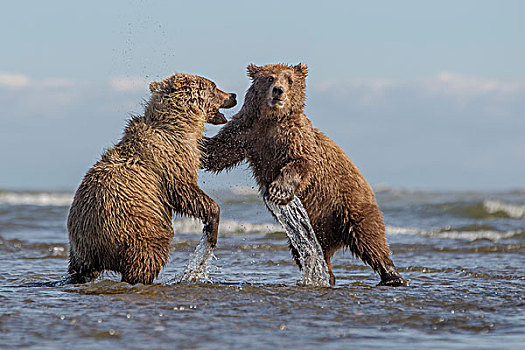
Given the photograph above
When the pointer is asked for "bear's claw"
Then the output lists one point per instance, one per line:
(393, 282)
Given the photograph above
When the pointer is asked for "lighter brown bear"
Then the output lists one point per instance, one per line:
(121, 215)
(290, 157)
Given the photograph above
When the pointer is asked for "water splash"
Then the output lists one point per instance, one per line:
(197, 269)
(294, 219)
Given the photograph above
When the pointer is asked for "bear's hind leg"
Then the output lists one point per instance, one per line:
(329, 265)
(142, 263)
(365, 237)
(80, 272)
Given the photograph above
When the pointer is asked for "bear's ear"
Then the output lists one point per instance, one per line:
(253, 70)
(176, 81)
(154, 86)
(301, 69)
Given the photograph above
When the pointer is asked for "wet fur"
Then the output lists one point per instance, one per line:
(120, 219)
(288, 157)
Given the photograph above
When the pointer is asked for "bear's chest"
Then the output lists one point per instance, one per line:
(269, 154)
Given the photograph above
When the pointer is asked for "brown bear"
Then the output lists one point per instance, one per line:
(120, 219)
(288, 157)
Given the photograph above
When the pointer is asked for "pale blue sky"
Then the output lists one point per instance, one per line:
(419, 94)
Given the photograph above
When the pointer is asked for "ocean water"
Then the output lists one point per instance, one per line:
(463, 254)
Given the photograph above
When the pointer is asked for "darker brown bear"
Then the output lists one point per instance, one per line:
(290, 157)
(120, 219)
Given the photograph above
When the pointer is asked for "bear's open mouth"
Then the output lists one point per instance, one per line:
(217, 119)
(277, 102)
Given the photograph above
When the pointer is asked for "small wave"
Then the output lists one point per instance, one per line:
(479, 209)
(392, 230)
(469, 235)
(512, 210)
(245, 190)
(194, 226)
(36, 198)
(385, 189)
(476, 235)
(50, 250)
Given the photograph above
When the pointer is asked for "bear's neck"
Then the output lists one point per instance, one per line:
(171, 118)
(269, 119)
(162, 146)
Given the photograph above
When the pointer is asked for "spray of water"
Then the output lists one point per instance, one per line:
(197, 269)
(294, 219)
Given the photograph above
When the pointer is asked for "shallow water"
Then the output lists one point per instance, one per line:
(463, 254)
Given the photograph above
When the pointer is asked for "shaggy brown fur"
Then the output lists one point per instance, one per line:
(120, 219)
(290, 157)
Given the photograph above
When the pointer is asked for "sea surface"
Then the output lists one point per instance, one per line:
(463, 254)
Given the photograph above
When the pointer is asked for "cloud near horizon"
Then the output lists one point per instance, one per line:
(123, 84)
(13, 80)
(401, 133)
(24, 96)
(21, 81)
(428, 132)
(443, 83)
(55, 94)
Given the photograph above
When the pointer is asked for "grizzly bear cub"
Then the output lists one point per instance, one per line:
(120, 219)
(290, 157)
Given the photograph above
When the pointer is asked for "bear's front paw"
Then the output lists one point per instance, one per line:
(280, 194)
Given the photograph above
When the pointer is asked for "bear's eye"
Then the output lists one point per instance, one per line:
(290, 81)
(270, 79)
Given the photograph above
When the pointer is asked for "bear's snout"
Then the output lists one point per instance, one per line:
(230, 102)
(277, 91)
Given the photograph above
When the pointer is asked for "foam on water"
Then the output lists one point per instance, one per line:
(294, 219)
(191, 225)
(490, 235)
(512, 210)
(36, 198)
(244, 190)
(197, 268)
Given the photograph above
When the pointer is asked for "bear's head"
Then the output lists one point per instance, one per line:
(191, 94)
(279, 88)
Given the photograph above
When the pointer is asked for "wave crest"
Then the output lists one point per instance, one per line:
(36, 198)
(194, 226)
(511, 210)
(465, 234)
